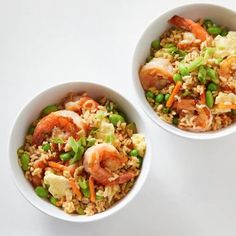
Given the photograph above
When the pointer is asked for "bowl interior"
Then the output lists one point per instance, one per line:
(219, 15)
(31, 111)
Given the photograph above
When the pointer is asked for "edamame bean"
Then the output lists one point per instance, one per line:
(149, 94)
(177, 77)
(134, 152)
(209, 99)
(159, 98)
(115, 118)
(212, 87)
(167, 97)
(65, 156)
(46, 147)
(214, 30)
(41, 192)
(156, 44)
(53, 200)
(25, 159)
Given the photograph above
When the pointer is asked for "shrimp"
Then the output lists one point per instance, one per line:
(81, 102)
(227, 66)
(193, 117)
(101, 160)
(191, 26)
(68, 121)
(156, 73)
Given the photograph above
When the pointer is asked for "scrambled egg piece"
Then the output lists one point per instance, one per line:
(139, 143)
(226, 98)
(57, 184)
(105, 129)
(225, 46)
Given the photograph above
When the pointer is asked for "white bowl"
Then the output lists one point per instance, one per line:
(219, 15)
(31, 111)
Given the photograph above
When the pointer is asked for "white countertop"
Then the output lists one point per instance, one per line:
(191, 188)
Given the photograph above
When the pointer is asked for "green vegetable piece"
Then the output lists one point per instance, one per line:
(210, 51)
(77, 155)
(224, 32)
(109, 138)
(233, 111)
(175, 121)
(166, 110)
(209, 99)
(25, 159)
(195, 64)
(65, 156)
(156, 44)
(169, 45)
(214, 30)
(177, 77)
(50, 108)
(57, 140)
(31, 129)
(46, 147)
(83, 183)
(186, 93)
(202, 75)
(91, 142)
(149, 58)
(183, 69)
(208, 23)
(167, 97)
(149, 94)
(140, 159)
(82, 141)
(98, 197)
(20, 151)
(53, 200)
(213, 75)
(212, 87)
(172, 50)
(115, 118)
(80, 210)
(134, 153)
(86, 192)
(159, 98)
(41, 192)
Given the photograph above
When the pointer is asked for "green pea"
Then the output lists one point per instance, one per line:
(53, 200)
(41, 192)
(214, 30)
(46, 147)
(165, 110)
(91, 142)
(134, 153)
(80, 210)
(65, 156)
(183, 69)
(167, 97)
(177, 77)
(209, 99)
(202, 75)
(25, 159)
(115, 118)
(213, 75)
(149, 58)
(208, 23)
(149, 94)
(175, 120)
(50, 108)
(233, 111)
(156, 44)
(212, 87)
(224, 32)
(31, 129)
(159, 98)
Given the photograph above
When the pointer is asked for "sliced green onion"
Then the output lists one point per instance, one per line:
(213, 75)
(195, 64)
(209, 99)
(25, 159)
(91, 142)
(214, 30)
(183, 69)
(83, 183)
(202, 75)
(50, 108)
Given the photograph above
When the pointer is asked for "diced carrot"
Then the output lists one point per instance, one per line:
(75, 188)
(56, 165)
(226, 106)
(174, 92)
(92, 189)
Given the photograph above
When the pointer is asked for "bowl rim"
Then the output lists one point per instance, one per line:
(154, 117)
(110, 211)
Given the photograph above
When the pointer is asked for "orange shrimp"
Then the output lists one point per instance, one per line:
(193, 117)
(68, 121)
(189, 25)
(101, 160)
(227, 66)
(81, 102)
(157, 73)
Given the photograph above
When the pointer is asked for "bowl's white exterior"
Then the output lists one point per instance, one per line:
(30, 112)
(218, 14)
